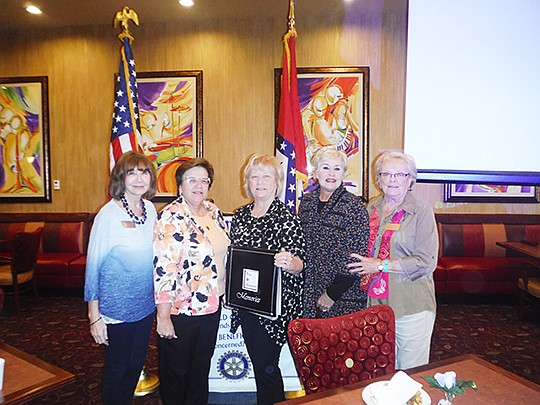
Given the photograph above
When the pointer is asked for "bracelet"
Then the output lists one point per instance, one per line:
(96, 321)
(386, 265)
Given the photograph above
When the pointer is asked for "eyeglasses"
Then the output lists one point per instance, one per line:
(398, 175)
(205, 181)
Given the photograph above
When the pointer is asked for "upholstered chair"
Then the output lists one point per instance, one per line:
(17, 269)
(332, 352)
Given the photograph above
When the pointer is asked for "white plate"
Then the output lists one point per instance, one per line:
(368, 398)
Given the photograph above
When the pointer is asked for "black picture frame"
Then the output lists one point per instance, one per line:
(24, 138)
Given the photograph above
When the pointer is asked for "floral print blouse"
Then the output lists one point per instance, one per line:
(277, 229)
(185, 272)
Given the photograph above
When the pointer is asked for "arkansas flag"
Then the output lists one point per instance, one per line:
(290, 141)
(126, 128)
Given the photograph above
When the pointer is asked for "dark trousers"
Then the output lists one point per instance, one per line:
(124, 359)
(184, 363)
(264, 353)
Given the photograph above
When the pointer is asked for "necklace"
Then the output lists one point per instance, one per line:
(135, 218)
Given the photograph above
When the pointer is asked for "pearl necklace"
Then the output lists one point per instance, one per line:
(135, 218)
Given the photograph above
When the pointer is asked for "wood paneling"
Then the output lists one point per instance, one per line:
(238, 57)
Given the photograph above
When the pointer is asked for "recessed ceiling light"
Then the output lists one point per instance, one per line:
(33, 9)
(186, 3)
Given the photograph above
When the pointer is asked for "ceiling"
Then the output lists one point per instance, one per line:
(60, 13)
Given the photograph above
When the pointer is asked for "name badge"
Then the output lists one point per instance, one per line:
(128, 224)
(392, 227)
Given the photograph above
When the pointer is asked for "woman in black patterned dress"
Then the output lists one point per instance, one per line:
(335, 224)
(267, 223)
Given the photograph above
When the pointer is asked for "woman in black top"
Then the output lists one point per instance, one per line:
(267, 223)
(335, 224)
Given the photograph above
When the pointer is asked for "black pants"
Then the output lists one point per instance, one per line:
(264, 353)
(184, 363)
(124, 359)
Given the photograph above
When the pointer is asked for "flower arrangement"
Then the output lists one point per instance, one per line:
(449, 385)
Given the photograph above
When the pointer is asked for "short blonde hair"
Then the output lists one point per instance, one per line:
(267, 162)
(329, 153)
(407, 159)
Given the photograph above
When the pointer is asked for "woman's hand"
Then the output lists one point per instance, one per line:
(364, 265)
(210, 206)
(288, 262)
(325, 302)
(99, 331)
(165, 327)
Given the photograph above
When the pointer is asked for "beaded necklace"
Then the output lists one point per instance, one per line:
(135, 218)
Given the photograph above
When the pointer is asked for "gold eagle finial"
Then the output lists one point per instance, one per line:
(123, 17)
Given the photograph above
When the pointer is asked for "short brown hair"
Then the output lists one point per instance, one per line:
(190, 164)
(129, 161)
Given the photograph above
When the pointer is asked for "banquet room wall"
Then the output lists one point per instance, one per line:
(237, 57)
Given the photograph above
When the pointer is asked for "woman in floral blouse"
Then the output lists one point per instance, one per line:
(267, 223)
(190, 248)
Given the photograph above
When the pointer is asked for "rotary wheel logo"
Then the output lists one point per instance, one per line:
(233, 365)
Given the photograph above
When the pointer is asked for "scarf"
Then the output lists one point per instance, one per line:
(377, 283)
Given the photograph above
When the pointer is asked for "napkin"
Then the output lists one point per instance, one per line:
(397, 391)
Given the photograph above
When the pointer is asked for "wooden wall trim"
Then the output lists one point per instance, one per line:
(487, 218)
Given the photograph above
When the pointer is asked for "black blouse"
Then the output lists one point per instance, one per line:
(277, 229)
(334, 231)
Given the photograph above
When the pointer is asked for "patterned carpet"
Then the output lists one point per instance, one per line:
(55, 329)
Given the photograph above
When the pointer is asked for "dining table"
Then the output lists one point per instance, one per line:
(494, 385)
(524, 248)
(26, 377)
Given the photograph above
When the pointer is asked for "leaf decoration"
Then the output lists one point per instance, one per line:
(456, 390)
(432, 381)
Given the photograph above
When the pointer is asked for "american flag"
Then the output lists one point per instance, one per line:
(126, 129)
(290, 141)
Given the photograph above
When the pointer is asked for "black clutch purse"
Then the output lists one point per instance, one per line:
(340, 284)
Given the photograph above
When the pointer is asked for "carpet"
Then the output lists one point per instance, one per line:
(55, 329)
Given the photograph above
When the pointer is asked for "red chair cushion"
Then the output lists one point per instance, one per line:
(332, 352)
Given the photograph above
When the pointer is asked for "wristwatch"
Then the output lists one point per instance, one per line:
(380, 267)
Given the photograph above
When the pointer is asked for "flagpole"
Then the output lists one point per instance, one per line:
(123, 17)
(125, 134)
(297, 179)
(291, 32)
(290, 139)
(125, 129)
(292, 20)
